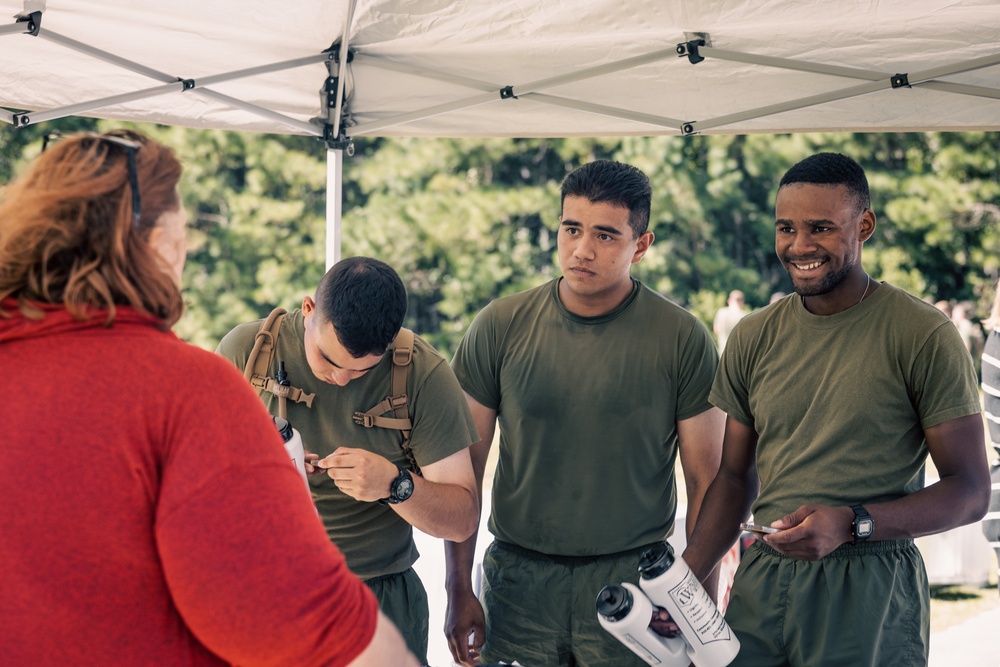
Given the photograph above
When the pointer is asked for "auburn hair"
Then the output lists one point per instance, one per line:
(68, 234)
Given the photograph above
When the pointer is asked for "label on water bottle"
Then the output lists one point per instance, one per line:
(706, 621)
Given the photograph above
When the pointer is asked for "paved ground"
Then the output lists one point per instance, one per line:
(972, 643)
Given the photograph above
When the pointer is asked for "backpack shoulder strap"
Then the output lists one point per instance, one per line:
(259, 363)
(397, 402)
(264, 344)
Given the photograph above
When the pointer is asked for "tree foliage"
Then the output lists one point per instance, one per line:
(465, 221)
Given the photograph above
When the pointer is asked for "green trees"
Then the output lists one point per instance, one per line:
(465, 221)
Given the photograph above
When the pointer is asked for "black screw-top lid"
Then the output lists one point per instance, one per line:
(656, 560)
(614, 602)
(284, 428)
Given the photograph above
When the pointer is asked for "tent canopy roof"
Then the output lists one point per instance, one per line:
(507, 67)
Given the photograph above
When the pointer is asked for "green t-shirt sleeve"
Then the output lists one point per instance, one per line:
(442, 423)
(730, 390)
(475, 362)
(698, 364)
(943, 382)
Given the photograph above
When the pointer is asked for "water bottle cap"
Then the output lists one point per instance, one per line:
(284, 428)
(614, 602)
(656, 560)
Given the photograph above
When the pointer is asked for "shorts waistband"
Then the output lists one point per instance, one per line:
(385, 577)
(847, 550)
(569, 560)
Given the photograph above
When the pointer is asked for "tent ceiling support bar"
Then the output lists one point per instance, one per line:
(600, 70)
(957, 68)
(509, 92)
(107, 57)
(962, 89)
(384, 63)
(602, 110)
(785, 63)
(26, 119)
(343, 60)
(14, 29)
(855, 91)
(262, 69)
(429, 112)
(818, 68)
(307, 128)
(6, 116)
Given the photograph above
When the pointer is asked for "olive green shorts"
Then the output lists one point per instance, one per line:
(541, 610)
(402, 598)
(862, 605)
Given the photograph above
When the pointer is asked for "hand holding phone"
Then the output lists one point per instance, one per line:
(754, 528)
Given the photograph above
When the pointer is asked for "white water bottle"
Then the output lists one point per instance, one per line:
(669, 583)
(293, 446)
(625, 612)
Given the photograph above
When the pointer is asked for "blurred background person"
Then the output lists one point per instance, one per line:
(727, 317)
(991, 411)
(149, 512)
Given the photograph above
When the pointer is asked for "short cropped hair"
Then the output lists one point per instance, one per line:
(831, 169)
(615, 183)
(365, 301)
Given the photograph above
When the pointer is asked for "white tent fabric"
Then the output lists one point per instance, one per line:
(508, 67)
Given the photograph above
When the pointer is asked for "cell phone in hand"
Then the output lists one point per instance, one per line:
(754, 528)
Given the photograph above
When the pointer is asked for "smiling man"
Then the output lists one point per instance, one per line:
(835, 399)
(340, 346)
(598, 384)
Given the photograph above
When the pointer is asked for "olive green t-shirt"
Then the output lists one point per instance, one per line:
(588, 411)
(373, 538)
(840, 403)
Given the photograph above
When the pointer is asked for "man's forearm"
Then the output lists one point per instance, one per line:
(726, 503)
(448, 511)
(459, 559)
(942, 506)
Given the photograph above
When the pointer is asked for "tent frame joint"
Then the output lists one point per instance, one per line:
(901, 81)
(34, 21)
(690, 49)
(340, 143)
(507, 93)
(333, 53)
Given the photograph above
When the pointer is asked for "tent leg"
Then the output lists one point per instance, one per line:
(334, 203)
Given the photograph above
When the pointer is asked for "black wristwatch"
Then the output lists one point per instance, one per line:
(864, 524)
(400, 489)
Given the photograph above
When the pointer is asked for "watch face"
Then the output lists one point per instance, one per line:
(865, 527)
(402, 488)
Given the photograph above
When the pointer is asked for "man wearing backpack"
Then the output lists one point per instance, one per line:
(386, 418)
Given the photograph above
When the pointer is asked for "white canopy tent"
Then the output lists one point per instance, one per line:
(343, 69)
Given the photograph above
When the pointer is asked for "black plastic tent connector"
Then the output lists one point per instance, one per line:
(901, 81)
(342, 142)
(507, 93)
(188, 83)
(690, 49)
(34, 20)
(687, 129)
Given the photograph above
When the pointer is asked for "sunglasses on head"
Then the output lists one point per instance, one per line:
(130, 147)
